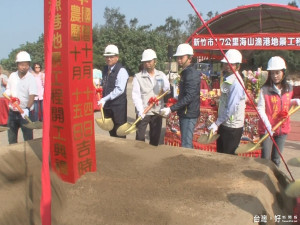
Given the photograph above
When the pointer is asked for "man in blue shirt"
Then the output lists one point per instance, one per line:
(231, 112)
(114, 100)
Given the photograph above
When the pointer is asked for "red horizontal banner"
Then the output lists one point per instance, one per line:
(265, 41)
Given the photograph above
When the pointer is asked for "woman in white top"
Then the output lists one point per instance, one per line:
(38, 100)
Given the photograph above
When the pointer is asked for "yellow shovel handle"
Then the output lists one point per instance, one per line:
(291, 111)
(152, 104)
(162, 95)
(17, 106)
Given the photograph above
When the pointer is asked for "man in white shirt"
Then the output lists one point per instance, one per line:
(21, 88)
(147, 84)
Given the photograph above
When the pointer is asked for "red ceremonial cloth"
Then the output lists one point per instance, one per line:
(3, 111)
(45, 204)
(204, 85)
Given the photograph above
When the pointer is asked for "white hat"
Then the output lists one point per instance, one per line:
(111, 50)
(184, 49)
(23, 57)
(233, 56)
(148, 55)
(276, 63)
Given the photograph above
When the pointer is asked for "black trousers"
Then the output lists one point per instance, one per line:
(15, 121)
(118, 114)
(229, 139)
(155, 123)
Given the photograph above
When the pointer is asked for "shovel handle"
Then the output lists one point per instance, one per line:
(291, 111)
(149, 107)
(101, 108)
(14, 103)
(255, 146)
(163, 94)
(17, 106)
(152, 104)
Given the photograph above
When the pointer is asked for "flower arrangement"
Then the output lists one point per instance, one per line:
(253, 81)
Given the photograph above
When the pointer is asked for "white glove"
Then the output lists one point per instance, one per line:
(101, 102)
(295, 101)
(25, 113)
(142, 115)
(165, 111)
(213, 127)
(269, 128)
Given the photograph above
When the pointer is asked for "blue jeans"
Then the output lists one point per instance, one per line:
(38, 105)
(15, 121)
(187, 126)
(269, 150)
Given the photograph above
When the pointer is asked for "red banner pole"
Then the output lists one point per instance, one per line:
(45, 204)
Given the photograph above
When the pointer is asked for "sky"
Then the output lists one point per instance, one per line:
(22, 21)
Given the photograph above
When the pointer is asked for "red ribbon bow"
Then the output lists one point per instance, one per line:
(153, 100)
(171, 101)
(99, 91)
(282, 115)
(15, 100)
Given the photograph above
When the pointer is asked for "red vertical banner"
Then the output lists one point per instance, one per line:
(45, 204)
(72, 138)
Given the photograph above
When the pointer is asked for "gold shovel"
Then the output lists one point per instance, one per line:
(293, 189)
(128, 128)
(250, 147)
(104, 123)
(31, 125)
(294, 161)
(208, 138)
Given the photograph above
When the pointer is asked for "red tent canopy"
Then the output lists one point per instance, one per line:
(270, 20)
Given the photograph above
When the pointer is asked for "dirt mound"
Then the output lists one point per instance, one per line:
(141, 184)
(20, 186)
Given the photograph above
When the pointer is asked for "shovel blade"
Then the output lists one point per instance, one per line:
(121, 131)
(131, 129)
(246, 148)
(34, 125)
(203, 139)
(293, 189)
(294, 162)
(208, 138)
(213, 138)
(106, 124)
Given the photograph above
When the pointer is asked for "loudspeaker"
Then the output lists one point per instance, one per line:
(170, 51)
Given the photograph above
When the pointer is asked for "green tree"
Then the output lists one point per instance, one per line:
(292, 59)
(293, 3)
(192, 24)
(172, 30)
(114, 19)
(35, 49)
(131, 40)
(209, 15)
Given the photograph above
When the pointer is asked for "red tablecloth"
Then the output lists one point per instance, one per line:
(3, 111)
(207, 114)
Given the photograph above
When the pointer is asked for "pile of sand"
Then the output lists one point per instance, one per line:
(140, 184)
